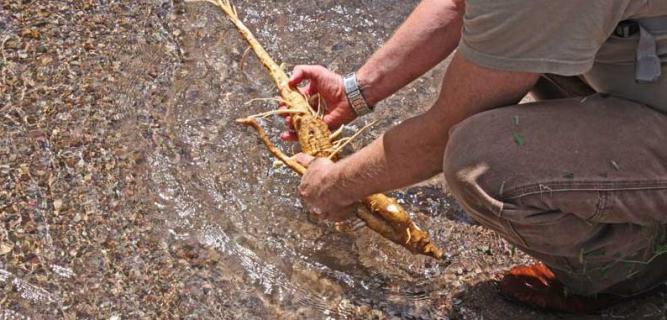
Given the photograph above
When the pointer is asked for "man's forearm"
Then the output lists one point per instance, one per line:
(428, 36)
(406, 154)
(413, 150)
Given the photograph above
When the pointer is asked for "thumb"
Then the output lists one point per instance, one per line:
(298, 75)
(304, 159)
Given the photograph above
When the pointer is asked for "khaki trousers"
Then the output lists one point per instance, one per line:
(579, 184)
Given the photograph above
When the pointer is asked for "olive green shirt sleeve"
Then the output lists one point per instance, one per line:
(541, 36)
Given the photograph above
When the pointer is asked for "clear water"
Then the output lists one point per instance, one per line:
(216, 184)
(128, 192)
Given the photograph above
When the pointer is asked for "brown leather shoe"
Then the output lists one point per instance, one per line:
(535, 285)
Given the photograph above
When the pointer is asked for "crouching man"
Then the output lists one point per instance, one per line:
(577, 180)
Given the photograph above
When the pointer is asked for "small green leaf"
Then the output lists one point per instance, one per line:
(518, 139)
(568, 175)
(661, 249)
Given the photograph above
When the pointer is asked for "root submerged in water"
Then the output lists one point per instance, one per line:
(382, 214)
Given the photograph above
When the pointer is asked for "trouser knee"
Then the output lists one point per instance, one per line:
(467, 161)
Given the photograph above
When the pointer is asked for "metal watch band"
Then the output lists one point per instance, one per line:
(354, 96)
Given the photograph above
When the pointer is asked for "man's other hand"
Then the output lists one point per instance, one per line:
(321, 191)
(329, 85)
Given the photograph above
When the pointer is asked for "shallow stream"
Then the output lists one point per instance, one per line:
(216, 184)
(130, 192)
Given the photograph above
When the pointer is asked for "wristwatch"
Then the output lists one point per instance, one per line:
(354, 96)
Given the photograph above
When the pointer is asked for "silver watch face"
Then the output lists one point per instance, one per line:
(350, 83)
(354, 96)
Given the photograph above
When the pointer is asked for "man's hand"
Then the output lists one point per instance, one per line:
(329, 85)
(321, 191)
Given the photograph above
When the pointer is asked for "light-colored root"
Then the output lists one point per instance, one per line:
(311, 110)
(229, 8)
(380, 213)
(243, 57)
(287, 160)
(337, 133)
(321, 107)
(340, 142)
(356, 134)
(225, 5)
(277, 164)
(273, 112)
(279, 100)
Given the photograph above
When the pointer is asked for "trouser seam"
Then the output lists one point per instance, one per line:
(568, 186)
